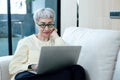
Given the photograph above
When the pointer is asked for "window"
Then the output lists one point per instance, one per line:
(21, 21)
(3, 28)
(17, 7)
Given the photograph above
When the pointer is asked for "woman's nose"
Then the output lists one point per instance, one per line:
(46, 28)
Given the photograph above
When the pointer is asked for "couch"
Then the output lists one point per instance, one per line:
(100, 53)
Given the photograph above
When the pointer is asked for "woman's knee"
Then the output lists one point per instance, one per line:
(78, 69)
(78, 72)
(23, 75)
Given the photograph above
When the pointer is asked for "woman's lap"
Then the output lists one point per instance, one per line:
(74, 72)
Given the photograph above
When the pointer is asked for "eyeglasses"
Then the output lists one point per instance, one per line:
(44, 25)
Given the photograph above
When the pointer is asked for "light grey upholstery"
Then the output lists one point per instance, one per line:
(4, 64)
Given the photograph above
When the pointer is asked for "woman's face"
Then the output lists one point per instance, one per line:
(46, 26)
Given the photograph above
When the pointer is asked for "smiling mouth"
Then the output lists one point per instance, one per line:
(46, 32)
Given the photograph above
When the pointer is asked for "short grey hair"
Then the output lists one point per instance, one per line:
(44, 13)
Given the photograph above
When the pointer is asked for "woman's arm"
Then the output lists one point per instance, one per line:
(20, 58)
(58, 40)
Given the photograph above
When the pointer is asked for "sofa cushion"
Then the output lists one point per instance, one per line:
(99, 50)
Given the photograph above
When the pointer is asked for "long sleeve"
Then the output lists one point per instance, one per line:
(19, 61)
(59, 42)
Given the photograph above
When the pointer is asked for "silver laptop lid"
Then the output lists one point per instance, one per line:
(56, 57)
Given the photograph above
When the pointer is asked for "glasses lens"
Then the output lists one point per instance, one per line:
(48, 25)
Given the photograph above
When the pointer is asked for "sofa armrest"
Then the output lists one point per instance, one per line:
(4, 66)
(116, 75)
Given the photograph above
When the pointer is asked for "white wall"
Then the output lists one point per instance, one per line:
(92, 14)
(68, 14)
(95, 14)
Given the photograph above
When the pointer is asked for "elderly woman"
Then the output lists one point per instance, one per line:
(27, 53)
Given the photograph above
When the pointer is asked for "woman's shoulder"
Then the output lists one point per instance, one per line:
(27, 39)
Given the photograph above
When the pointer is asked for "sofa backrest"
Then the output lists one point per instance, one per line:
(99, 50)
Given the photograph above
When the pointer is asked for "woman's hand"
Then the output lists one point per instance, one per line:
(54, 33)
(34, 67)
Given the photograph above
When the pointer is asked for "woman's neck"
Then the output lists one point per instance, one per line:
(42, 38)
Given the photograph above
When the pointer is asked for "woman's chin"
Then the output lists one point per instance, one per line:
(46, 35)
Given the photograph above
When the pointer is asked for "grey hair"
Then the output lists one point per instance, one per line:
(44, 13)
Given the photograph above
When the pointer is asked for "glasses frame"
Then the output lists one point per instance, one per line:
(48, 25)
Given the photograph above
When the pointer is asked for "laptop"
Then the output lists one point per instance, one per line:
(56, 57)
